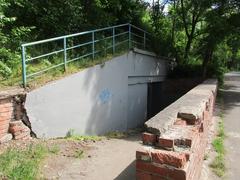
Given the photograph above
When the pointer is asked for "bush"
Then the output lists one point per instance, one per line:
(186, 70)
(9, 63)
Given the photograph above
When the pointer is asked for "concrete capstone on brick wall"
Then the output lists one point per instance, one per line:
(13, 116)
(178, 137)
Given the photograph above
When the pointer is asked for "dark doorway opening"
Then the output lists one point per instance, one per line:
(154, 99)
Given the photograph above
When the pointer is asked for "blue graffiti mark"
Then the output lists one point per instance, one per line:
(105, 96)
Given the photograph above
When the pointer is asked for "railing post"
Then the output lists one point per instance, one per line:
(24, 73)
(144, 43)
(65, 53)
(129, 36)
(113, 40)
(93, 45)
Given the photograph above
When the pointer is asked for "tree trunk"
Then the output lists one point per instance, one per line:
(187, 48)
(206, 60)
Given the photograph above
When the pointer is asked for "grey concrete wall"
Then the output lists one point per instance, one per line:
(107, 97)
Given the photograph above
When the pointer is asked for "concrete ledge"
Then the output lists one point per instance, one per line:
(189, 106)
(140, 51)
(11, 93)
(178, 137)
(148, 53)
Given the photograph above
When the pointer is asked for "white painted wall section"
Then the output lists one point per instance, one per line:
(103, 98)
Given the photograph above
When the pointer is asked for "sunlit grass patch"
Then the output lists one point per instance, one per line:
(218, 164)
(22, 164)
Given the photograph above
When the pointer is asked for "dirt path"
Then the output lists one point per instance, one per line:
(110, 159)
(231, 98)
(106, 159)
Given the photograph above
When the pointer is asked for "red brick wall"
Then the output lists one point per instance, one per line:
(6, 114)
(178, 153)
(12, 115)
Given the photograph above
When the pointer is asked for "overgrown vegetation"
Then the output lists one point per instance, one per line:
(71, 135)
(218, 164)
(79, 154)
(202, 36)
(22, 164)
(116, 134)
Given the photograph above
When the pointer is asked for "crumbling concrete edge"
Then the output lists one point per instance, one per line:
(14, 121)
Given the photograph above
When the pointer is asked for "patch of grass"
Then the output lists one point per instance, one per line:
(115, 134)
(206, 156)
(85, 138)
(218, 165)
(22, 164)
(79, 154)
(54, 149)
(71, 135)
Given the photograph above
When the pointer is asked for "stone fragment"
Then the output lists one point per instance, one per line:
(6, 138)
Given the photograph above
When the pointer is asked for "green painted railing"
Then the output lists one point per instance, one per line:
(127, 34)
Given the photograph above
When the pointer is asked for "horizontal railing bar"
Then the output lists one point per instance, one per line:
(121, 42)
(120, 34)
(109, 47)
(117, 26)
(137, 35)
(109, 37)
(71, 35)
(74, 59)
(139, 29)
(138, 43)
(44, 55)
(42, 71)
(80, 57)
(79, 45)
(73, 47)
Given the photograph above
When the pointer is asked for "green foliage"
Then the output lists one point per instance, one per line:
(5, 71)
(54, 149)
(218, 164)
(10, 38)
(189, 31)
(24, 20)
(203, 31)
(55, 17)
(71, 135)
(116, 134)
(186, 70)
(218, 66)
(22, 164)
(79, 154)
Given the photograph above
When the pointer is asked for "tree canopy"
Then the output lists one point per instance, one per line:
(196, 33)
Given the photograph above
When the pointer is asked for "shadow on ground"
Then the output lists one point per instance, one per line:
(129, 173)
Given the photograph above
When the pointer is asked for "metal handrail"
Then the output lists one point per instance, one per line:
(131, 42)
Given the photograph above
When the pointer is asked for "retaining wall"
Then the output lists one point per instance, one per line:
(106, 97)
(14, 123)
(176, 137)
